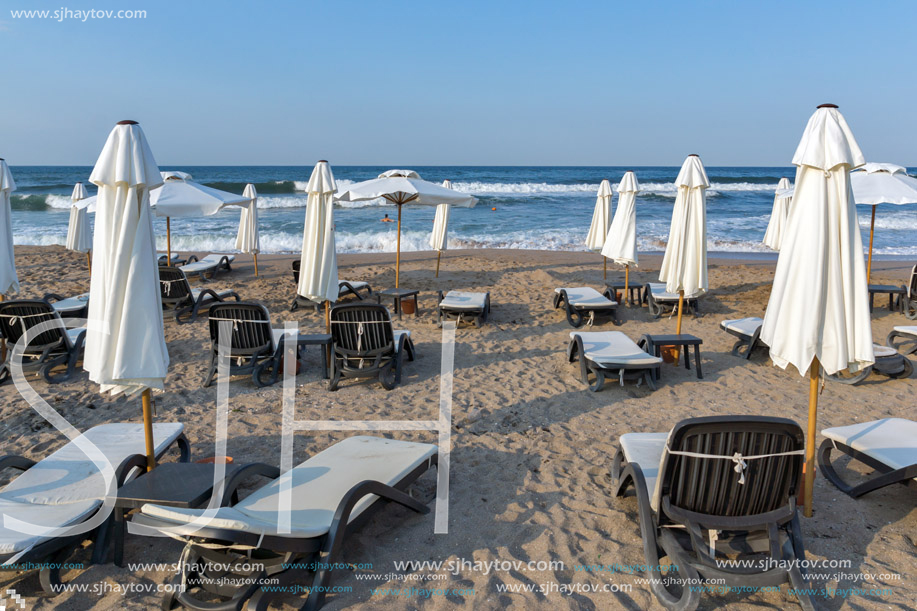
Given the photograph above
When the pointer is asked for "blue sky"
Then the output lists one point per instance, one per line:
(476, 83)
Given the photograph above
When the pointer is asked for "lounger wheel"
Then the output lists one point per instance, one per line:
(910, 309)
(575, 318)
(387, 378)
(266, 369)
(599, 380)
(689, 598)
(847, 378)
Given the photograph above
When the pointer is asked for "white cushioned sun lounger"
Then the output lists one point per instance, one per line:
(660, 301)
(581, 300)
(462, 305)
(889, 446)
(715, 486)
(611, 352)
(748, 331)
(211, 264)
(66, 488)
(328, 492)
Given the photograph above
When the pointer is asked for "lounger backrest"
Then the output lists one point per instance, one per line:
(173, 285)
(251, 327)
(296, 264)
(18, 316)
(362, 328)
(737, 485)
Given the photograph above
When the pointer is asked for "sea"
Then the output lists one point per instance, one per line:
(543, 208)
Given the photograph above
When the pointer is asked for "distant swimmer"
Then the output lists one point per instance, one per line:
(494, 208)
(387, 220)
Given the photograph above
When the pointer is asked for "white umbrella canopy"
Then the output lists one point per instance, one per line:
(318, 269)
(621, 241)
(684, 266)
(881, 183)
(439, 237)
(9, 282)
(79, 234)
(818, 312)
(401, 187)
(601, 218)
(248, 239)
(774, 233)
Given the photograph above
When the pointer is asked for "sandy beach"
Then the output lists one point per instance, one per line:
(531, 445)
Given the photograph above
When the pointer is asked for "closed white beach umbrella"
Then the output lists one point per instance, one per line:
(684, 266)
(621, 241)
(125, 345)
(402, 187)
(601, 219)
(438, 240)
(248, 240)
(79, 234)
(881, 183)
(180, 196)
(9, 282)
(818, 313)
(318, 268)
(779, 212)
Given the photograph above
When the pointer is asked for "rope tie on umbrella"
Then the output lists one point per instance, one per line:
(737, 458)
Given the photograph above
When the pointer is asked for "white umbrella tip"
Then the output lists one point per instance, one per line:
(693, 155)
(322, 161)
(826, 106)
(126, 122)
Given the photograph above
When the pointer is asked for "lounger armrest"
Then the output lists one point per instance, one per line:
(192, 259)
(240, 475)
(16, 462)
(365, 488)
(134, 461)
(440, 295)
(52, 297)
(209, 293)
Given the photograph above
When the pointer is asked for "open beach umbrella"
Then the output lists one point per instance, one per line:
(818, 312)
(180, 196)
(402, 187)
(774, 233)
(248, 240)
(684, 266)
(318, 267)
(601, 218)
(79, 235)
(125, 343)
(621, 241)
(9, 282)
(881, 183)
(440, 228)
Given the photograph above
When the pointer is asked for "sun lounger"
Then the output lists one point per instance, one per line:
(179, 299)
(585, 300)
(67, 489)
(888, 446)
(163, 258)
(365, 345)
(909, 337)
(330, 494)
(714, 486)
(357, 288)
(459, 306)
(909, 307)
(660, 301)
(888, 363)
(255, 347)
(209, 265)
(54, 346)
(748, 330)
(602, 353)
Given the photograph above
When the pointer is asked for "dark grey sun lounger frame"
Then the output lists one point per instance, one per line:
(51, 554)
(178, 300)
(660, 308)
(344, 288)
(908, 346)
(323, 551)
(378, 355)
(894, 366)
(746, 344)
(649, 373)
(575, 314)
(882, 475)
(479, 316)
(52, 347)
(909, 300)
(222, 265)
(252, 341)
(703, 494)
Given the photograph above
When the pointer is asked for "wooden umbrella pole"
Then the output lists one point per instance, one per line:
(89, 261)
(872, 228)
(256, 264)
(398, 250)
(604, 268)
(809, 483)
(627, 284)
(439, 253)
(328, 331)
(168, 241)
(146, 400)
(681, 305)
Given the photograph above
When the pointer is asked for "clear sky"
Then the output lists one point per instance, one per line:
(465, 83)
